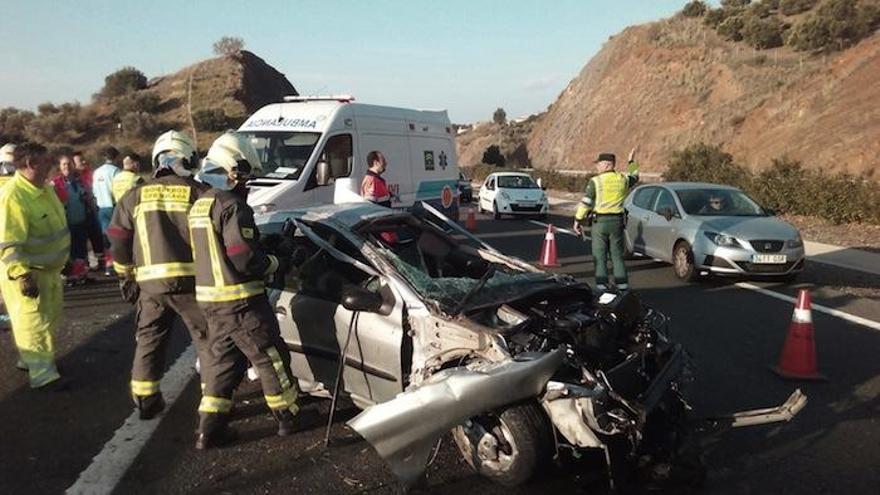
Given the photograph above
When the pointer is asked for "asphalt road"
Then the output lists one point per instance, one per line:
(733, 334)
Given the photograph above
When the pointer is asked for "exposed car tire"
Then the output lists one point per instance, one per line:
(526, 443)
(683, 262)
(495, 213)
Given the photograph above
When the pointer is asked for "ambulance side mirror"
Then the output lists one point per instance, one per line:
(323, 174)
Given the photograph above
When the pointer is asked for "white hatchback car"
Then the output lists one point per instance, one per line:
(512, 193)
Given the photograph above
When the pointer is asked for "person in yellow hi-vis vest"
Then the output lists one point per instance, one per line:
(603, 204)
(34, 246)
(127, 178)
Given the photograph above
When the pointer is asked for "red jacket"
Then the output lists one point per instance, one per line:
(375, 190)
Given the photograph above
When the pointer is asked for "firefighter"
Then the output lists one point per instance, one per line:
(153, 258)
(34, 246)
(230, 270)
(127, 178)
(603, 204)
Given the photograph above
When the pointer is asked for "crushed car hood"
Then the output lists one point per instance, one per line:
(404, 429)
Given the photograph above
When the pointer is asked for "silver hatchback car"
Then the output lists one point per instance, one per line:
(708, 228)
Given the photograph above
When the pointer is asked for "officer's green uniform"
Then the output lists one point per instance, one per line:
(604, 197)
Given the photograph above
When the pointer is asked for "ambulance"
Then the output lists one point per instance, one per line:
(314, 152)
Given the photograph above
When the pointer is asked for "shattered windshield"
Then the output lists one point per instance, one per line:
(448, 291)
(284, 154)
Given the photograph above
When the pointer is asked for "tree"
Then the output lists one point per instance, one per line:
(735, 4)
(493, 156)
(500, 116)
(792, 7)
(228, 46)
(763, 33)
(706, 163)
(125, 80)
(696, 8)
(731, 28)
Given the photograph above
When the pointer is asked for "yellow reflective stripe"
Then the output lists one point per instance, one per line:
(229, 292)
(278, 364)
(40, 241)
(165, 206)
(200, 223)
(287, 400)
(273, 265)
(166, 270)
(216, 405)
(121, 268)
(144, 388)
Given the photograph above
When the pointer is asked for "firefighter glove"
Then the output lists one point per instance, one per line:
(28, 284)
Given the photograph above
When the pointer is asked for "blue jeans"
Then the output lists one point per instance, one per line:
(105, 215)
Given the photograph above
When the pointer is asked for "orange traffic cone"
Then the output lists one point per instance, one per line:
(548, 250)
(798, 358)
(471, 220)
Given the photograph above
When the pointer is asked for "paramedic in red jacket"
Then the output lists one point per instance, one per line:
(374, 188)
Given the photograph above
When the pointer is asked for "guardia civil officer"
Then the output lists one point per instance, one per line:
(153, 257)
(231, 267)
(603, 204)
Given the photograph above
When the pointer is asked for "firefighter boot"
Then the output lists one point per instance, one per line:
(214, 431)
(150, 405)
(286, 424)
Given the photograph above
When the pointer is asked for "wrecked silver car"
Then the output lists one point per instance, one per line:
(439, 331)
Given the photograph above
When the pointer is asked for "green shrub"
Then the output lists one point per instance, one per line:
(731, 28)
(140, 124)
(13, 124)
(499, 116)
(763, 33)
(760, 10)
(696, 8)
(735, 4)
(212, 119)
(146, 101)
(228, 46)
(714, 17)
(835, 25)
(792, 7)
(492, 156)
(123, 81)
(705, 163)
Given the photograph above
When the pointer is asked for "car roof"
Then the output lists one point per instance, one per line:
(345, 215)
(511, 174)
(680, 186)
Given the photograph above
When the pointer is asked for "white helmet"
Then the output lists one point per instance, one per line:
(7, 153)
(232, 158)
(176, 151)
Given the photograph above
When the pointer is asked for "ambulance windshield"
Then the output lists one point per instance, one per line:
(284, 154)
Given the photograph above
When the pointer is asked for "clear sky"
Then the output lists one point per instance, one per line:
(469, 57)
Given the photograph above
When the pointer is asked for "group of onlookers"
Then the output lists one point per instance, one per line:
(89, 197)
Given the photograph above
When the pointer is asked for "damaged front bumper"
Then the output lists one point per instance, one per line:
(404, 429)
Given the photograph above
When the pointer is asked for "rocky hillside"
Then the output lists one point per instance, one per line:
(511, 138)
(675, 82)
(223, 92)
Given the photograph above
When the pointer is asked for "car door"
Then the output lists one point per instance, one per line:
(487, 193)
(316, 326)
(638, 215)
(659, 230)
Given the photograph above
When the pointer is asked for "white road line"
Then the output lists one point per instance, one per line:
(108, 467)
(558, 229)
(816, 307)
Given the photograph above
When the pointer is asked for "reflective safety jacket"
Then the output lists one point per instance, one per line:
(150, 236)
(122, 182)
(33, 229)
(605, 192)
(230, 264)
(375, 190)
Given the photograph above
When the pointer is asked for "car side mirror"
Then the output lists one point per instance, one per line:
(323, 175)
(359, 299)
(770, 212)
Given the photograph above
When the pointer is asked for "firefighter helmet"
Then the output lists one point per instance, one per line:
(7, 153)
(176, 151)
(232, 158)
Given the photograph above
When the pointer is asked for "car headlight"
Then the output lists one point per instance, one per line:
(722, 239)
(505, 196)
(795, 243)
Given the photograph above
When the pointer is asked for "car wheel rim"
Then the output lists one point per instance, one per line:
(495, 448)
(681, 262)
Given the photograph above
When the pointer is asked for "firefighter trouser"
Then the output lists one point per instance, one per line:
(248, 333)
(33, 324)
(155, 316)
(607, 239)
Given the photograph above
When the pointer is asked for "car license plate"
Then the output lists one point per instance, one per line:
(526, 203)
(769, 259)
